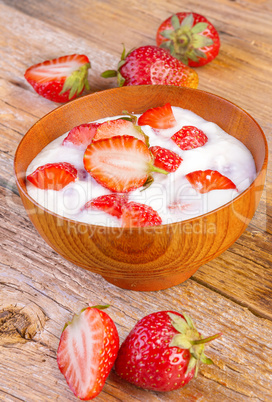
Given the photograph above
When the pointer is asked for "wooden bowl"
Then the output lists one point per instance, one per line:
(144, 258)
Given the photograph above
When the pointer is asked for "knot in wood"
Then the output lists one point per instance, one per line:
(19, 324)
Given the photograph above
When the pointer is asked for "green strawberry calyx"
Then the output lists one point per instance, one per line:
(76, 316)
(77, 81)
(185, 40)
(189, 338)
(117, 73)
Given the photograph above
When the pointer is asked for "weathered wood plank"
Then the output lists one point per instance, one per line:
(31, 272)
(231, 293)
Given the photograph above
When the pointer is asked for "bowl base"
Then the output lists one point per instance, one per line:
(153, 284)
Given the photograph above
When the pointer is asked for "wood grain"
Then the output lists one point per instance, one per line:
(231, 294)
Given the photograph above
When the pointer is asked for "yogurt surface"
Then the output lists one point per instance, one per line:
(172, 196)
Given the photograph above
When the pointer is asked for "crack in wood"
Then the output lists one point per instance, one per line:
(232, 298)
(13, 396)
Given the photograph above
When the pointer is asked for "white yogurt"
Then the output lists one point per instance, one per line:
(172, 196)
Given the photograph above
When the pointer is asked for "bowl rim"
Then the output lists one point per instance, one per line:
(157, 227)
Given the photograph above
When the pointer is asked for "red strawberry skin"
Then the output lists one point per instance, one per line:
(161, 117)
(53, 176)
(165, 159)
(120, 163)
(110, 203)
(189, 137)
(204, 181)
(81, 136)
(151, 65)
(87, 350)
(146, 359)
(205, 43)
(60, 80)
(135, 214)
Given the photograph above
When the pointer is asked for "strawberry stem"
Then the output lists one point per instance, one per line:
(158, 170)
(100, 307)
(205, 340)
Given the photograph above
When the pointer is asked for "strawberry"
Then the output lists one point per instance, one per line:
(204, 181)
(113, 128)
(189, 37)
(162, 352)
(121, 163)
(189, 137)
(81, 136)
(87, 350)
(110, 203)
(161, 117)
(151, 65)
(61, 79)
(165, 159)
(136, 214)
(53, 176)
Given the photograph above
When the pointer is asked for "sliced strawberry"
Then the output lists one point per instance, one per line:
(61, 79)
(87, 350)
(111, 204)
(189, 137)
(136, 214)
(158, 117)
(53, 176)
(81, 136)
(121, 163)
(204, 181)
(113, 128)
(165, 159)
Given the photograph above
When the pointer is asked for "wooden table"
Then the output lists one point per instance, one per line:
(40, 291)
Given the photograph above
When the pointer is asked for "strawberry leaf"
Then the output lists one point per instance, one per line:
(181, 341)
(148, 182)
(109, 74)
(205, 359)
(167, 33)
(189, 321)
(200, 27)
(166, 45)
(100, 307)
(120, 79)
(188, 22)
(76, 81)
(199, 41)
(175, 22)
(178, 323)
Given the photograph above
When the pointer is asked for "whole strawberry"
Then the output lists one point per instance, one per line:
(151, 65)
(162, 352)
(189, 37)
(87, 350)
(61, 79)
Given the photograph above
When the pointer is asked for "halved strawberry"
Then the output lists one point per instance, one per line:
(121, 163)
(53, 176)
(165, 159)
(87, 350)
(61, 79)
(158, 117)
(110, 203)
(204, 181)
(113, 128)
(189, 137)
(135, 214)
(81, 136)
